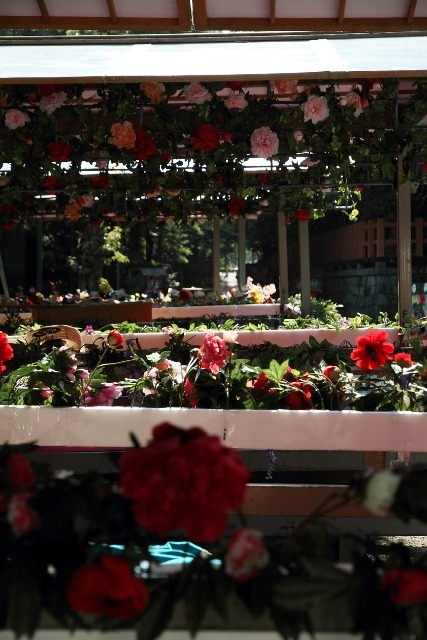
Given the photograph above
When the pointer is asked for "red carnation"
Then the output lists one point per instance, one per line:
(408, 585)
(108, 587)
(236, 206)
(302, 214)
(59, 151)
(144, 145)
(372, 350)
(300, 398)
(183, 480)
(207, 138)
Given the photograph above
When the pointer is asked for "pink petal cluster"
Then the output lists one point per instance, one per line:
(213, 353)
(264, 142)
(51, 103)
(246, 554)
(104, 398)
(353, 99)
(196, 93)
(315, 109)
(20, 515)
(236, 101)
(15, 118)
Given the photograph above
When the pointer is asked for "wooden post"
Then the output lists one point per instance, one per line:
(216, 241)
(241, 256)
(39, 258)
(304, 257)
(404, 267)
(282, 242)
(3, 278)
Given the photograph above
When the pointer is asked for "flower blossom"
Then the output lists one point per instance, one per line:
(115, 339)
(52, 102)
(183, 479)
(408, 585)
(213, 353)
(315, 109)
(207, 138)
(264, 143)
(302, 214)
(59, 151)
(246, 554)
(236, 101)
(144, 145)
(20, 515)
(403, 360)
(102, 398)
(236, 205)
(15, 118)
(196, 93)
(372, 350)
(380, 491)
(109, 587)
(6, 351)
(285, 85)
(123, 135)
(300, 398)
(353, 99)
(155, 91)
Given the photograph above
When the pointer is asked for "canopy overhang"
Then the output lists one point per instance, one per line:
(321, 58)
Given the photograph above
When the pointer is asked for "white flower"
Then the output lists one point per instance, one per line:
(380, 492)
(52, 102)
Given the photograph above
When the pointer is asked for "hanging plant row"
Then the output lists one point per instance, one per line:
(163, 150)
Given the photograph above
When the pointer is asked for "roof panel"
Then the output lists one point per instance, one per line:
(65, 8)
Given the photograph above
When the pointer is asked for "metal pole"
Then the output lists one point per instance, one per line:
(241, 257)
(282, 242)
(404, 266)
(304, 257)
(3, 278)
(216, 241)
(39, 258)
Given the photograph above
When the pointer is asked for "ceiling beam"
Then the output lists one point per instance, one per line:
(341, 12)
(112, 10)
(411, 11)
(272, 12)
(43, 10)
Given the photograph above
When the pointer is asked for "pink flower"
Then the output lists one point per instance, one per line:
(264, 142)
(298, 136)
(246, 554)
(353, 99)
(104, 398)
(21, 517)
(236, 101)
(46, 392)
(15, 118)
(213, 353)
(51, 103)
(196, 93)
(315, 109)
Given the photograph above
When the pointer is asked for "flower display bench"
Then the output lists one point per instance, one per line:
(86, 313)
(97, 429)
(198, 311)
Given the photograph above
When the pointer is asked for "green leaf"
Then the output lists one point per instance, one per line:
(160, 610)
(24, 605)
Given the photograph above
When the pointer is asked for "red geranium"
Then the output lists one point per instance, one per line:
(207, 138)
(107, 587)
(59, 151)
(408, 585)
(302, 214)
(144, 145)
(101, 181)
(213, 353)
(236, 206)
(372, 350)
(6, 351)
(300, 398)
(183, 480)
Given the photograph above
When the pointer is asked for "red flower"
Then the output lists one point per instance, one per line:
(262, 382)
(183, 480)
(424, 167)
(6, 351)
(101, 181)
(144, 145)
(300, 398)
(236, 206)
(225, 136)
(166, 157)
(213, 353)
(59, 151)
(408, 585)
(20, 515)
(332, 373)
(107, 587)
(403, 359)
(49, 182)
(9, 226)
(190, 393)
(185, 295)
(19, 478)
(236, 85)
(372, 350)
(207, 138)
(302, 214)
(115, 339)
(262, 178)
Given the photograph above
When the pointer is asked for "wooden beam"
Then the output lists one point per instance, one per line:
(91, 23)
(411, 11)
(241, 252)
(184, 14)
(112, 10)
(272, 12)
(200, 15)
(404, 246)
(341, 12)
(43, 10)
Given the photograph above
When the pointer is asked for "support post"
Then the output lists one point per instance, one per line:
(3, 278)
(404, 266)
(282, 247)
(39, 258)
(304, 257)
(241, 252)
(216, 241)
